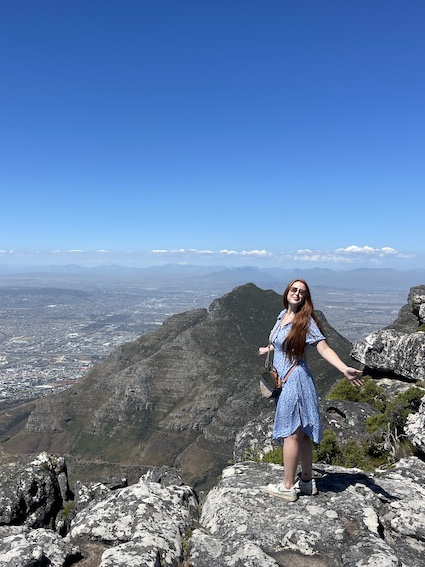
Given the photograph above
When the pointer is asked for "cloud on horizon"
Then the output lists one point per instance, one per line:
(350, 255)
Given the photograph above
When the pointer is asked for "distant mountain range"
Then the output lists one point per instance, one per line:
(217, 278)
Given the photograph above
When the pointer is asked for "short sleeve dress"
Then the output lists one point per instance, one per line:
(298, 405)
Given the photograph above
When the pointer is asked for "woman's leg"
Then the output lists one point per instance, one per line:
(291, 457)
(306, 457)
(297, 448)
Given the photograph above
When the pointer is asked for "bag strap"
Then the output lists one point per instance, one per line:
(269, 358)
(289, 372)
(268, 363)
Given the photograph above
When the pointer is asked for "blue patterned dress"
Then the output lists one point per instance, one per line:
(298, 405)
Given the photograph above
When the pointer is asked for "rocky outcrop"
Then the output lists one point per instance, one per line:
(356, 519)
(33, 491)
(415, 427)
(23, 547)
(143, 524)
(400, 347)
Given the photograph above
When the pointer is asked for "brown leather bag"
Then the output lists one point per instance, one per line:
(270, 382)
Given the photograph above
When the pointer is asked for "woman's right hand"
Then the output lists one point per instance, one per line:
(265, 349)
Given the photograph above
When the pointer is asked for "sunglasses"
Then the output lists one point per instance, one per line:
(294, 289)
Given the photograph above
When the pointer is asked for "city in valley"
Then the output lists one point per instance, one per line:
(51, 335)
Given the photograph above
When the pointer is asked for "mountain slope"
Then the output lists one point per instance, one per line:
(176, 396)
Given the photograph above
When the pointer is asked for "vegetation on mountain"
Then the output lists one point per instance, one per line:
(385, 441)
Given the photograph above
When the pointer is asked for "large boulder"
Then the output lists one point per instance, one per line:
(142, 524)
(398, 349)
(33, 491)
(24, 547)
(356, 519)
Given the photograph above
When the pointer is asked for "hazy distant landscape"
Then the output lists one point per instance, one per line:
(55, 325)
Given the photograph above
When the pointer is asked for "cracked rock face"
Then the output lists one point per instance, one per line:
(21, 546)
(144, 523)
(415, 427)
(32, 491)
(400, 347)
(356, 519)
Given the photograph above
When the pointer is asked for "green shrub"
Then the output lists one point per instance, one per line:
(385, 437)
(384, 442)
(343, 390)
(370, 393)
(328, 451)
(274, 456)
(68, 509)
(356, 455)
(396, 411)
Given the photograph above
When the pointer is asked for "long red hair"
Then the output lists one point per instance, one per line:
(295, 344)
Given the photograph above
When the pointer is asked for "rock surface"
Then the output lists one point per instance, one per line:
(415, 427)
(144, 524)
(355, 520)
(400, 347)
(33, 491)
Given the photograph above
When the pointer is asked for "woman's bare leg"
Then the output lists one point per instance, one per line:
(291, 457)
(306, 457)
(297, 448)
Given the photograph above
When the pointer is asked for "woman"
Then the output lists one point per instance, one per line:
(297, 419)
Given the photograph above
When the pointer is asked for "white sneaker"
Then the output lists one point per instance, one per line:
(280, 491)
(306, 487)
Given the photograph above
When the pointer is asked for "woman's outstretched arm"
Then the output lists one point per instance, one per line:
(352, 374)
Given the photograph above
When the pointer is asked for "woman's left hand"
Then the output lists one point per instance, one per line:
(352, 374)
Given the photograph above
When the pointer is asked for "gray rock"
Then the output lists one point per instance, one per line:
(355, 520)
(391, 351)
(415, 427)
(400, 347)
(32, 491)
(86, 493)
(23, 547)
(166, 476)
(144, 523)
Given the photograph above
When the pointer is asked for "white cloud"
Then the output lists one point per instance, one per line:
(345, 257)
(368, 250)
(350, 255)
(255, 253)
(212, 252)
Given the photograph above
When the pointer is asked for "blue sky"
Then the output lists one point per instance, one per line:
(221, 132)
